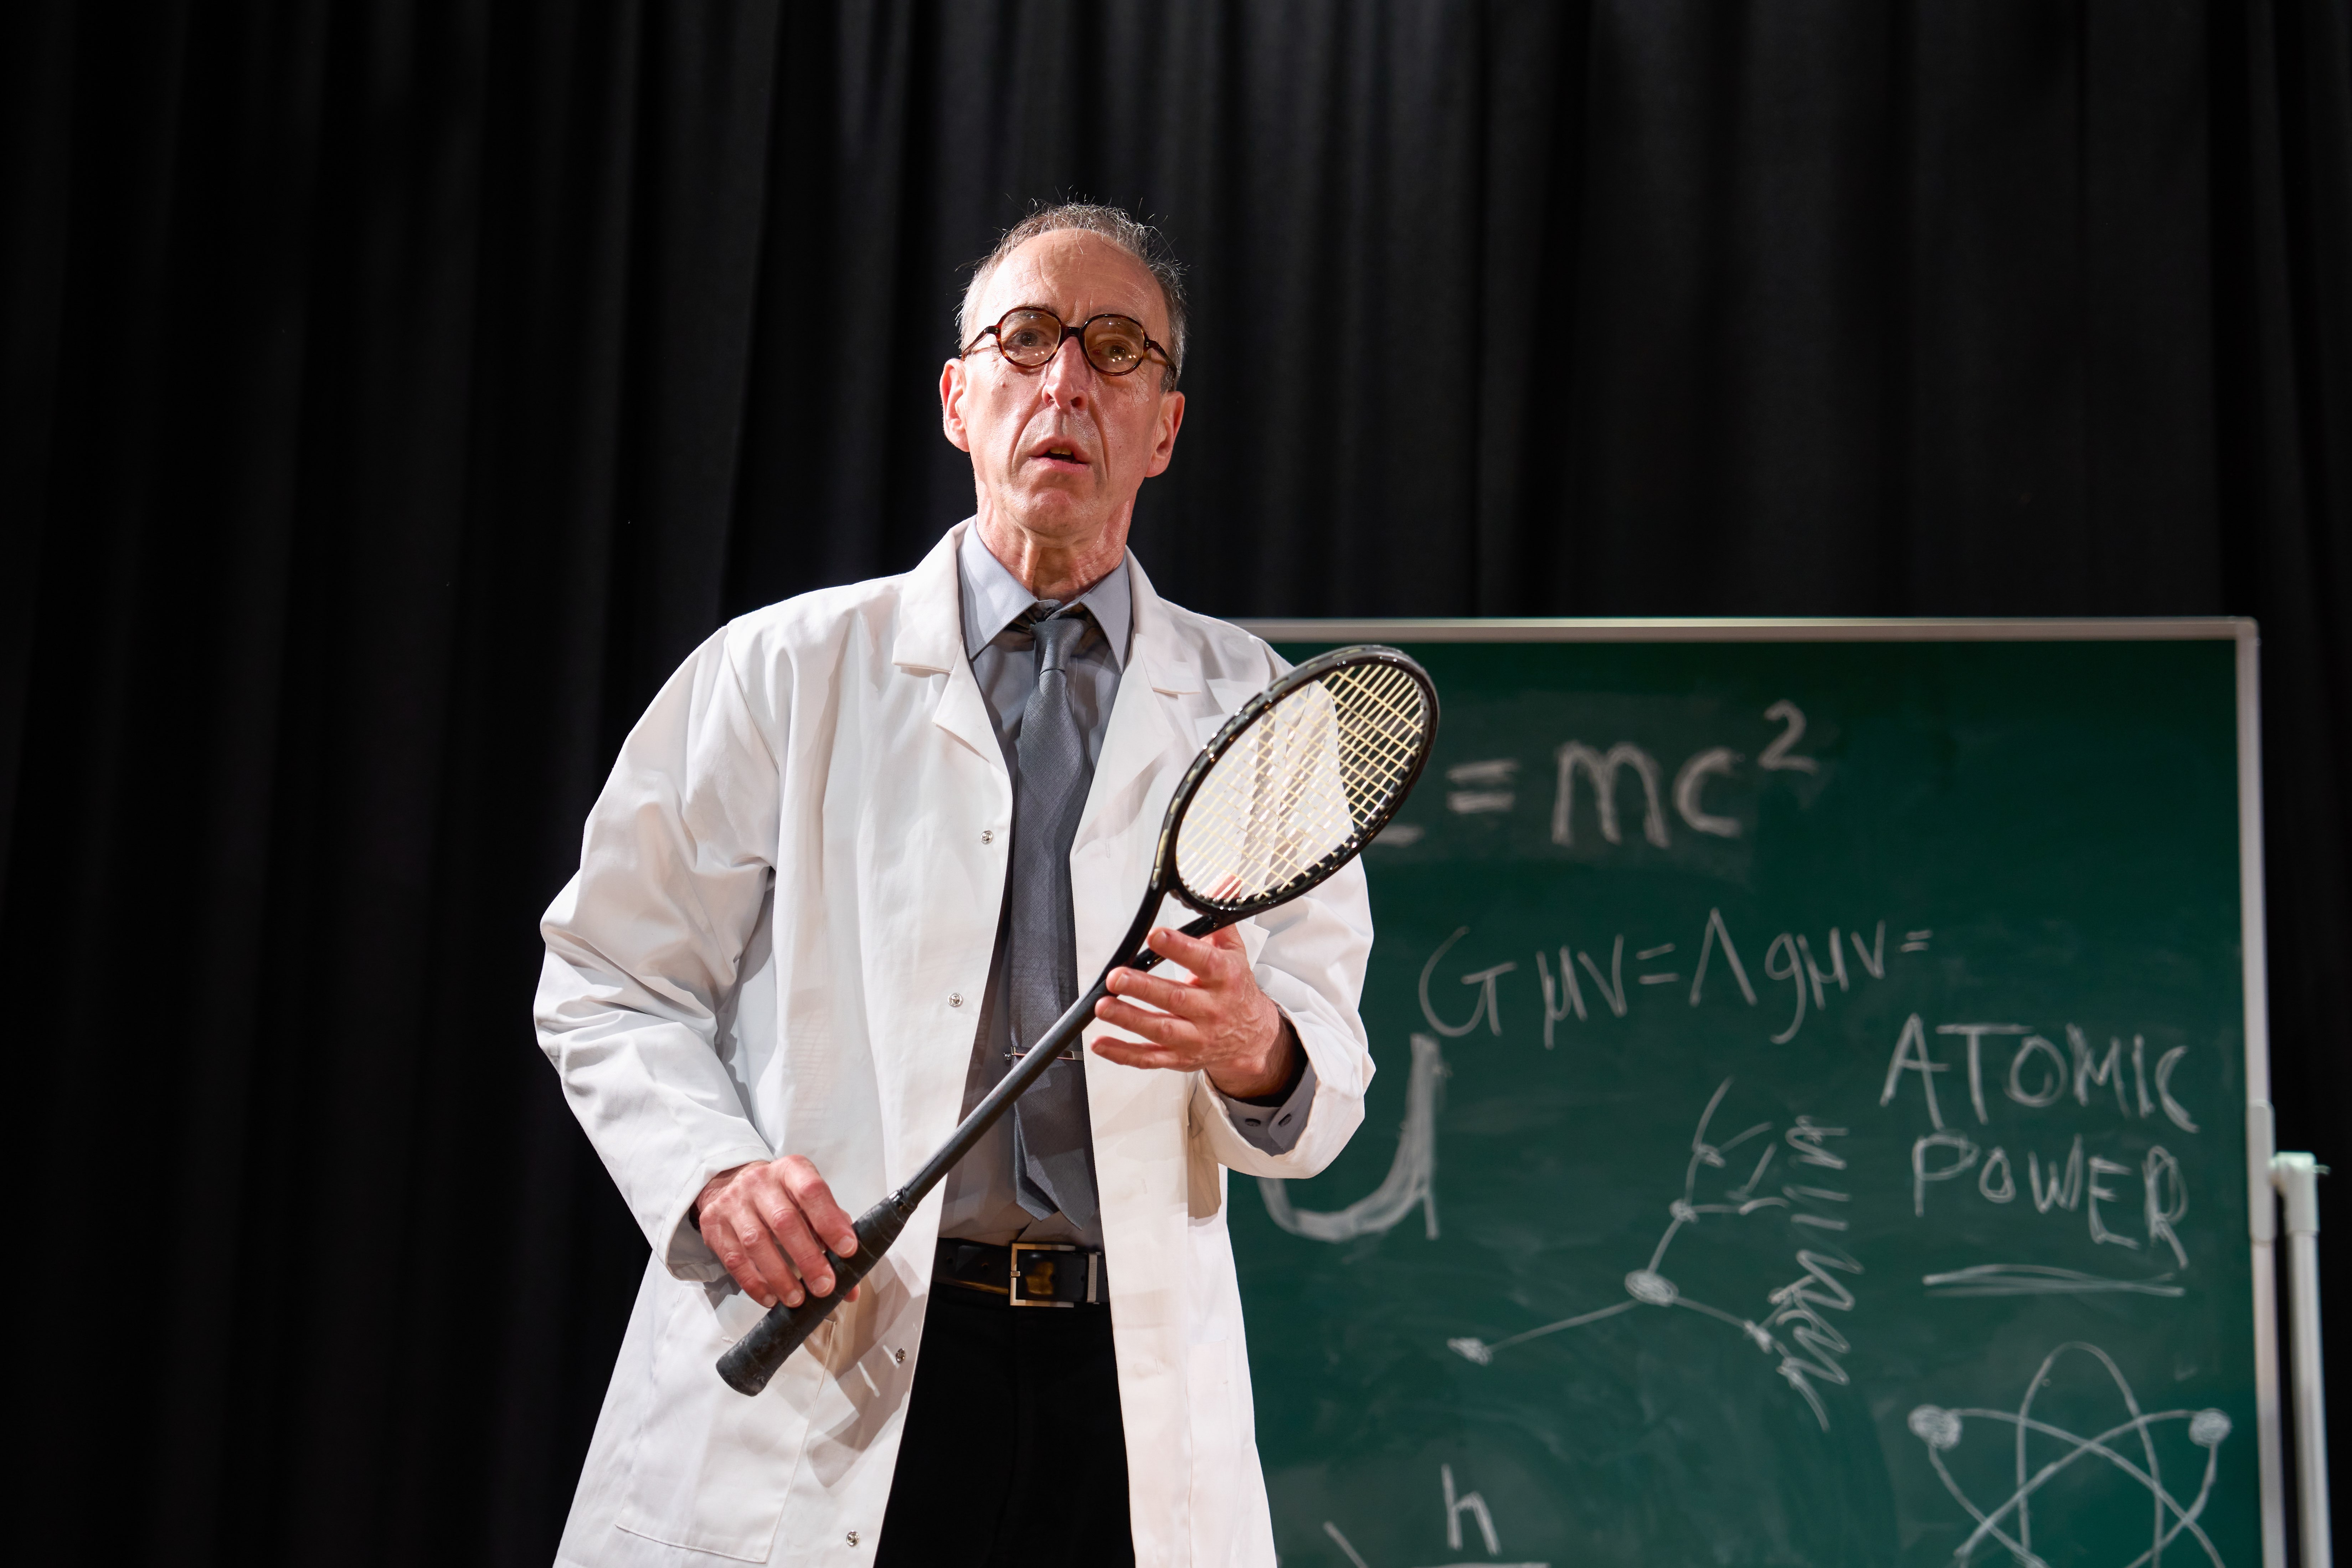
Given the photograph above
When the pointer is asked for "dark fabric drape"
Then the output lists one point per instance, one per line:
(393, 392)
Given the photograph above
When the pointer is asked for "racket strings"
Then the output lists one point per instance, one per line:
(1316, 775)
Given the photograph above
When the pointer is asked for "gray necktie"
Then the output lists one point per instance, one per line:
(1053, 1142)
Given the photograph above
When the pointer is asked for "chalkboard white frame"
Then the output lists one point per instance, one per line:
(2261, 1221)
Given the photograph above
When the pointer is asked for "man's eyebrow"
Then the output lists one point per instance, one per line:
(1055, 311)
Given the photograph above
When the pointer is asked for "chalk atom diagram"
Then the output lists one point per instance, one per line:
(1811, 1345)
(2010, 1523)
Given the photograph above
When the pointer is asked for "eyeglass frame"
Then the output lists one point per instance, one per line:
(1069, 332)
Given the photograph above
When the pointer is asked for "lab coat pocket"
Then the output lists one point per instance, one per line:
(711, 1467)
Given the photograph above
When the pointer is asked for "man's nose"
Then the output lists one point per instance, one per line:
(1068, 375)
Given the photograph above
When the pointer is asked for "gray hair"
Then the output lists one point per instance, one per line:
(1140, 240)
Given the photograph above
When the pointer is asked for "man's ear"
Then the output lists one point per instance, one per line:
(952, 387)
(1164, 450)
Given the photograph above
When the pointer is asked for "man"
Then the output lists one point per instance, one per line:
(860, 849)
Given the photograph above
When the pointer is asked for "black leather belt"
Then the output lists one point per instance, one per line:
(1027, 1273)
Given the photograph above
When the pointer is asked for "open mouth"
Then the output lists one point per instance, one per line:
(1060, 452)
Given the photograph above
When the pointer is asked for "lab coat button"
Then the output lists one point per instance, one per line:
(988, 835)
(853, 1537)
(955, 998)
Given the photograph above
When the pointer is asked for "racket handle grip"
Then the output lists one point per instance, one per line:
(753, 1360)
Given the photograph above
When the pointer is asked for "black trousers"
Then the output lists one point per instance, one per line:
(1014, 1452)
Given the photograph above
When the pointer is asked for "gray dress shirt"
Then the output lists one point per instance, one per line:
(981, 1202)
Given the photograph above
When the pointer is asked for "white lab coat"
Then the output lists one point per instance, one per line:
(777, 942)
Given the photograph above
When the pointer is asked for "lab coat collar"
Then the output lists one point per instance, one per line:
(1146, 729)
(1144, 724)
(930, 641)
(1168, 665)
(929, 635)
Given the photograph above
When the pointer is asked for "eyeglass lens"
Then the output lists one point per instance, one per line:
(1113, 345)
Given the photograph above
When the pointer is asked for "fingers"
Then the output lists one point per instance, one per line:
(713, 1219)
(1216, 965)
(1214, 957)
(815, 1199)
(1136, 1053)
(737, 1262)
(1216, 1014)
(782, 1219)
(1161, 1029)
(764, 1264)
(1187, 998)
(764, 1225)
(732, 1229)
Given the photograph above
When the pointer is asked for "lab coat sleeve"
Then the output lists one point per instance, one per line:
(1312, 965)
(644, 948)
(1277, 1128)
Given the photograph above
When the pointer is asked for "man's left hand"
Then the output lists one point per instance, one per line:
(1218, 1022)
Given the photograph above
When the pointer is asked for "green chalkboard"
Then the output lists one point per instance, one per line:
(1811, 1124)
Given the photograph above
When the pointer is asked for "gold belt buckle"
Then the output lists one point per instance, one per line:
(1039, 1277)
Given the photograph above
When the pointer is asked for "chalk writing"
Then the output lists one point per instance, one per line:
(2040, 1077)
(1564, 974)
(1457, 1507)
(1602, 771)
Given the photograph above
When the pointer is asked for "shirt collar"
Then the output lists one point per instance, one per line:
(993, 598)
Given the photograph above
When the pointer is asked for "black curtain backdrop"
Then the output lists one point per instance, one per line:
(393, 392)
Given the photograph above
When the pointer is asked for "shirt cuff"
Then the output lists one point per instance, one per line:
(1277, 1128)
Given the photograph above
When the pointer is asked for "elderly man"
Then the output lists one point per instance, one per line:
(858, 853)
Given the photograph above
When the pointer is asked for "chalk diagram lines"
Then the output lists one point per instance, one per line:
(1412, 1180)
(2010, 1523)
(1812, 1344)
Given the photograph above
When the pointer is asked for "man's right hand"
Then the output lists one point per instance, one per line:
(756, 1217)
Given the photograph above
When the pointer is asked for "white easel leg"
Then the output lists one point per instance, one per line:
(2297, 1179)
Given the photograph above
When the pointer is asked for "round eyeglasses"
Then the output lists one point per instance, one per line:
(1028, 337)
